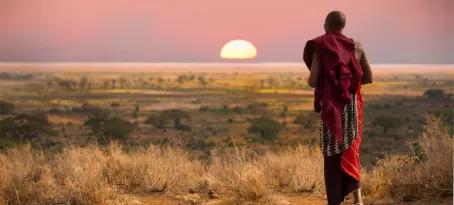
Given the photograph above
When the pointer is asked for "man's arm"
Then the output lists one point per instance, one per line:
(314, 72)
(367, 77)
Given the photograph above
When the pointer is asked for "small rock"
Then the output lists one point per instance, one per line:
(212, 195)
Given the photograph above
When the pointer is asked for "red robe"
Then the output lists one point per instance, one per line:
(340, 75)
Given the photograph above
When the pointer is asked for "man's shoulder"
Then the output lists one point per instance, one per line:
(359, 45)
(318, 38)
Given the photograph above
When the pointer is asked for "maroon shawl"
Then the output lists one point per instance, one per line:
(340, 75)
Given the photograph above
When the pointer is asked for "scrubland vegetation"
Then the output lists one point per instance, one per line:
(212, 138)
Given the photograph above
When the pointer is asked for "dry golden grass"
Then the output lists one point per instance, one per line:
(153, 170)
(104, 175)
(399, 176)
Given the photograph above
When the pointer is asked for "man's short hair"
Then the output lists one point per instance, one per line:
(336, 20)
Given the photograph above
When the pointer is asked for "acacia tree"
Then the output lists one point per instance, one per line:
(267, 128)
(434, 93)
(107, 129)
(105, 84)
(83, 82)
(202, 80)
(174, 115)
(122, 82)
(26, 126)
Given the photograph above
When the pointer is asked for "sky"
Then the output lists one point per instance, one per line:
(392, 31)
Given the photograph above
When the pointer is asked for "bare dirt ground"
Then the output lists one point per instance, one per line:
(293, 200)
(147, 200)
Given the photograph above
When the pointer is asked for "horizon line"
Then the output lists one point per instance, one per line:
(204, 64)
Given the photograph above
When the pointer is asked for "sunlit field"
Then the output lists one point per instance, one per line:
(212, 134)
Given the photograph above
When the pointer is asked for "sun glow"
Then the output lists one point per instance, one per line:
(238, 49)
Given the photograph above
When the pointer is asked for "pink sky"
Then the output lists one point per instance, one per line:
(393, 31)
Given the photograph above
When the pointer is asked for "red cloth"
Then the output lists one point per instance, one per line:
(340, 75)
(350, 162)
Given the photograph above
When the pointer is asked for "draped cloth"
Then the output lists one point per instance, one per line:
(338, 100)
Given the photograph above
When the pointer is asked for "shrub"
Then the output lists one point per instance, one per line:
(434, 93)
(267, 128)
(204, 108)
(25, 127)
(387, 123)
(6, 108)
(108, 129)
(238, 110)
(429, 173)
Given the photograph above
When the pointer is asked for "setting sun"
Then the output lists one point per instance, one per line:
(238, 49)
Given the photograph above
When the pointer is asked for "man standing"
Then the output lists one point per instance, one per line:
(338, 67)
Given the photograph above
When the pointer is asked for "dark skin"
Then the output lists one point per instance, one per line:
(335, 21)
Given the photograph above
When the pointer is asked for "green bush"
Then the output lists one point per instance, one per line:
(25, 127)
(204, 108)
(238, 110)
(434, 93)
(387, 123)
(267, 128)
(110, 129)
(6, 108)
(174, 115)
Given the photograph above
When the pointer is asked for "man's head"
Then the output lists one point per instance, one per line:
(335, 21)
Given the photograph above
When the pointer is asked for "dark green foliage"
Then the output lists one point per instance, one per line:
(15, 76)
(174, 115)
(183, 128)
(110, 129)
(6, 108)
(267, 128)
(387, 123)
(257, 108)
(202, 80)
(7, 143)
(157, 121)
(375, 106)
(182, 78)
(224, 109)
(300, 119)
(25, 127)
(434, 94)
(90, 110)
(417, 150)
(308, 121)
(238, 110)
(283, 114)
(115, 104)
(200, 145)
(204, 108)
(285, 108)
